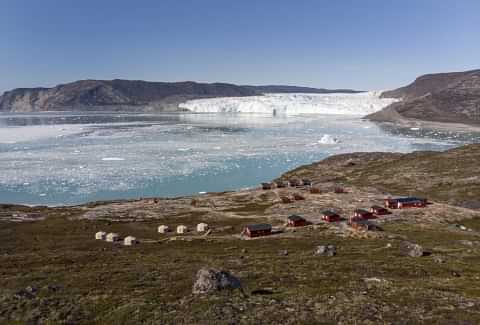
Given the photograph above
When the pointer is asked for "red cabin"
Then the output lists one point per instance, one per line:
(361, 214)
(330, 216)
(267, 186)
(294, 182)
(257, 230)
(378, 210)
(296, 221)
(315, 190)
(339, 190)
(306, 182)
(405, 202)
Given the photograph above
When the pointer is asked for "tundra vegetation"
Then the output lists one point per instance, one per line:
(54, 271)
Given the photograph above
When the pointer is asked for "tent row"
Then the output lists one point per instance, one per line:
(182, 229)
(114, 237)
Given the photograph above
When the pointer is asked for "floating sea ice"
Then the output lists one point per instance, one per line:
(414, 129)
(328, 139)
(113, 159)
(183, 149)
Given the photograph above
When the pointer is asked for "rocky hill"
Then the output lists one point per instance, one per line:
(129, 95)
(296, 89)
(443, 97)
(114, 95)
(450, 177)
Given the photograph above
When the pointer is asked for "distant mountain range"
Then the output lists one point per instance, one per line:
(131, 95)
(443, 97)
(296, 89)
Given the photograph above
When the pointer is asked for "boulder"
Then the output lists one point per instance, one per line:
(411, 249)
(326, 250)
(211, 280)
(439, 259)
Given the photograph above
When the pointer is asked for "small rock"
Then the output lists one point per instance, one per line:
(31, 289)
(27, 293)
(211, 280)
(439, 259)
(326, 250)
(411, 249)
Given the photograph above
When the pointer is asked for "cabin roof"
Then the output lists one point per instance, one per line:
(329, 213)
(407, 199)
(259, 227)
(295, 217)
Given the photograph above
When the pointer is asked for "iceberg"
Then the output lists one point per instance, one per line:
(328, 139)
(292, 104)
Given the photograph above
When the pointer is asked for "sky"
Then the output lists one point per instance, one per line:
(368, 44)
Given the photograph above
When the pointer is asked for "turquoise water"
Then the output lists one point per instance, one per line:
(71, 158)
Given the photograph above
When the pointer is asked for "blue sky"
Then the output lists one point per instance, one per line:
(365, 44)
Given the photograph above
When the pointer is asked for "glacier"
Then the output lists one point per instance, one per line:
(293, 104)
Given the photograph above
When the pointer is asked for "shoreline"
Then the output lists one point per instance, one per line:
(443, 126)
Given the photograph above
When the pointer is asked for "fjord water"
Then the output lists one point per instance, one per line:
(71, 158)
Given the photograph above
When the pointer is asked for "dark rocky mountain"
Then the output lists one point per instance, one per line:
(296, 89)
(114, 95)
(444, 97)
(128, 95)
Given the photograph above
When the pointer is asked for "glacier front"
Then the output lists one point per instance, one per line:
(293, 104)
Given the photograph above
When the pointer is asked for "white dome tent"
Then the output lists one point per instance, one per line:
(130, 241)
(182, 229)
(112, 237)
(163, 229)
(202, 227)
(101, 235)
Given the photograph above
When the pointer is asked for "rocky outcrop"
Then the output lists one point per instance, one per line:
(115, 95)
(212, 280)
(411, 249)
(444, 97)
(296, 89)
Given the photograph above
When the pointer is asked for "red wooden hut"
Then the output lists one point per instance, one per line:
(330, 216)
(267, 186)
(378, 210)
(405, 202)
(296, 221)
(306, 182)
(339, 190)
(257, 230)
(362, 214)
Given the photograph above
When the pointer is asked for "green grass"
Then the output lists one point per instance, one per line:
(109, 283)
